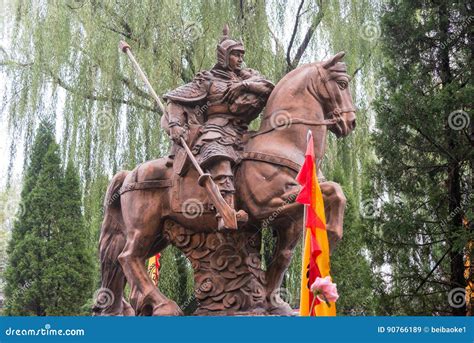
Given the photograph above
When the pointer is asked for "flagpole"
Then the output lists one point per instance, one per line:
(308, 137)
(305, 213)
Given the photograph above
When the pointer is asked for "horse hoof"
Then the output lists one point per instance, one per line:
(127, 309)
(169, 308)
(282, 309)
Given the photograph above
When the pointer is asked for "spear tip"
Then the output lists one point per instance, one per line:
(123, 46)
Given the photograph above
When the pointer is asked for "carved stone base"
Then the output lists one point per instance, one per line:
(228, 277)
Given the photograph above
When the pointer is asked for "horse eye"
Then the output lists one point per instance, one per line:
(342, 84)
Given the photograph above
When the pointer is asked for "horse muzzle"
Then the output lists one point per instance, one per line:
(345, 124)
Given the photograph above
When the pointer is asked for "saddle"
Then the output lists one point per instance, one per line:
(183, 178)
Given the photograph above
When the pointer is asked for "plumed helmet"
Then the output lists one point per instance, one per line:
(226, 46)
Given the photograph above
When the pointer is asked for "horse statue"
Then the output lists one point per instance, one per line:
(147, 209)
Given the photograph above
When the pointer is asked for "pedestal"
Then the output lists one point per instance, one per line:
(228, 277)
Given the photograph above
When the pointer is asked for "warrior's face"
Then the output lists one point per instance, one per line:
(236, 58)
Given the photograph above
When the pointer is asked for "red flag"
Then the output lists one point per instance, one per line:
(305, 179)
(316, 247)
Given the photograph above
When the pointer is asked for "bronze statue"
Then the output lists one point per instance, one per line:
(231, 97)
(160, 202)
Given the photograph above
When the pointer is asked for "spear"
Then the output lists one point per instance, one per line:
(205, 180)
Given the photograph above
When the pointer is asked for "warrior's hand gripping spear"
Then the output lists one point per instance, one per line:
(228, 215)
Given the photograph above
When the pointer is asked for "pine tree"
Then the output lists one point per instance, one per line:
(424, 145)
(69, 271)
(50, 267)
(175, 277)
(22, 276)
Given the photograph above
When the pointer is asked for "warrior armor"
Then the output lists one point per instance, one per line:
(223, 122)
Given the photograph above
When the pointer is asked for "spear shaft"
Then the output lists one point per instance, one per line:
(127, 50)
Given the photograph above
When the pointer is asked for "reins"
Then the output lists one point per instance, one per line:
(298, 121)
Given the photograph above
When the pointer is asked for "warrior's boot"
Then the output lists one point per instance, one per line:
(223, 177)
(171, 157)
(241, 215)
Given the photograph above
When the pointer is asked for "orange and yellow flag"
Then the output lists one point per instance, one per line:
(316, 246)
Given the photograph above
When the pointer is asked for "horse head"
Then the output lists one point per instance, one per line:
(316, 94)
(332, 85)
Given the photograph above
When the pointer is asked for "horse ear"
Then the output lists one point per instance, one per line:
(333, 60)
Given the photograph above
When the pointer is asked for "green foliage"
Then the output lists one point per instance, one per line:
(423, 179)
(352, 256)
(50, 266)
(268, 246)
(9, 209)
(176, 277)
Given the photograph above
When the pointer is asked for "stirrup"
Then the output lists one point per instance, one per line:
(242, 218)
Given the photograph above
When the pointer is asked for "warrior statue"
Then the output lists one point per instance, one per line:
(145, 207)
(220, 104)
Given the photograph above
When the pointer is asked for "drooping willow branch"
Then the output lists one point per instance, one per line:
(91, 96)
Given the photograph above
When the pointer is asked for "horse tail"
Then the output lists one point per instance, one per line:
(112, 241)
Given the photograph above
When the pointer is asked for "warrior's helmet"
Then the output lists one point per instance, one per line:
(226, 46)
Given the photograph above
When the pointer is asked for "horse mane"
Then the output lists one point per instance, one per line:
(292, 75)
(298, 78)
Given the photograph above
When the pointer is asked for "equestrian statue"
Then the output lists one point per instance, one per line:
(221, 183)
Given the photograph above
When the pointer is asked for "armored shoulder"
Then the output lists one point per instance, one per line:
(191, 92)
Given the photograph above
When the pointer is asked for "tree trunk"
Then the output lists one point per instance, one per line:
(457, 279)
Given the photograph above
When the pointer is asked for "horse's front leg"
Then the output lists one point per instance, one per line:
(334, 203)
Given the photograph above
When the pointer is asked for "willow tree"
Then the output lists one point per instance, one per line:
(64, 60)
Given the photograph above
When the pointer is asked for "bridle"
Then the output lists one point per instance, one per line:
(335, 114)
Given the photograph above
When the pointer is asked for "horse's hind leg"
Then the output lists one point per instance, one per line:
(145, 297)
(109, 299)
